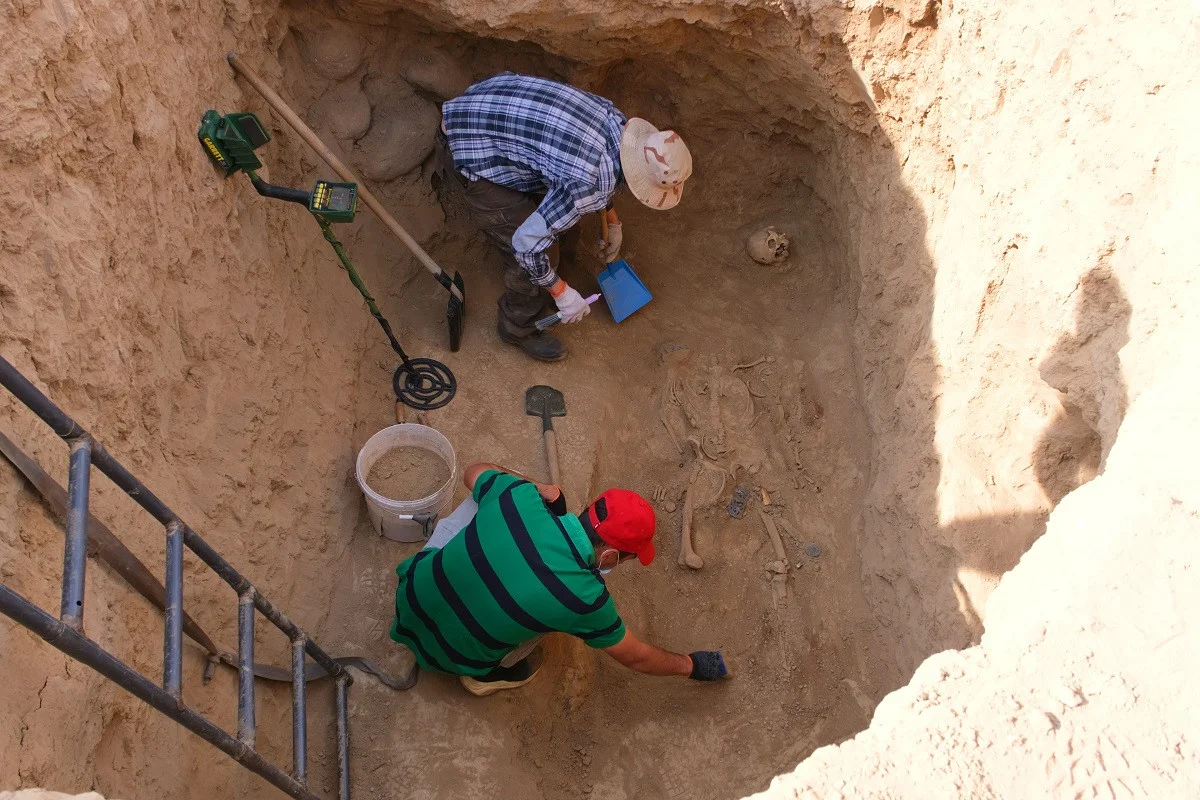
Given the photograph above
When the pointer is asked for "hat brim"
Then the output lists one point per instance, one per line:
(646, 554)
(633, 166)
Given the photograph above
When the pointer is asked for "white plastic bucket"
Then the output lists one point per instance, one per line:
(384, 510)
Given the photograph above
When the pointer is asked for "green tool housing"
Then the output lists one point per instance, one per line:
(231, 139)
(334, 202)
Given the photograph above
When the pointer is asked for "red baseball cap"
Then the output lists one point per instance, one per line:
(626, 521)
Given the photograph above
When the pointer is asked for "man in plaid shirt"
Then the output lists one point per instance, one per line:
(530, 157)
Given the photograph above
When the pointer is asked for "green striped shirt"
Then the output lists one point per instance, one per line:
(516, 571)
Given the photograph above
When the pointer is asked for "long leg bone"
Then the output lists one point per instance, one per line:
(778, 580)
(714, 403)
(662, 416)
(691, 502)
(687, 554)
(776, 542)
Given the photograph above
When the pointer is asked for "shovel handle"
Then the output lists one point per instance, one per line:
(604, 228)
(284, 110)
(552, 453)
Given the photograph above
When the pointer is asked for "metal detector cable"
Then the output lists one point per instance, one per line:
(421, 383)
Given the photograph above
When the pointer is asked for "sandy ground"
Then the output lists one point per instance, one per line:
(987, 213)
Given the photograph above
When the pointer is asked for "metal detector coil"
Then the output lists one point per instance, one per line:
(420, 383)
(424, 384)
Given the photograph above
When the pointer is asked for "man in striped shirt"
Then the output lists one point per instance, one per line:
(529, 157)
(476, 605)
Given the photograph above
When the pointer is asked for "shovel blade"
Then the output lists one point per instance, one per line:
(623, 290)
(545, 400)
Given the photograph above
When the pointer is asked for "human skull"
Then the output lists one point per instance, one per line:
(767, 246)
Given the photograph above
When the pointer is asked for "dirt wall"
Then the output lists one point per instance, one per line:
(1081, 685)
(1044, 144)
(170, 313)
(1063, 297)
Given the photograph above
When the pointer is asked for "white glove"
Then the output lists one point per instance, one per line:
(571, 305)
(610, 248)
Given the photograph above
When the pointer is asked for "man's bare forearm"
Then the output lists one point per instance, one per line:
(648, 659)
(662, 662)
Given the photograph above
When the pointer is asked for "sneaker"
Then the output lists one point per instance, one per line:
(500, 679)
(542, 346)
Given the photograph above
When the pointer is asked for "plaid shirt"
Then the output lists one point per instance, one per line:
(538, 136)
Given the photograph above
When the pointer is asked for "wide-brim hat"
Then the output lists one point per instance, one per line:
(655, 164)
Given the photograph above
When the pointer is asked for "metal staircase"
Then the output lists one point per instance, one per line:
(66, 632)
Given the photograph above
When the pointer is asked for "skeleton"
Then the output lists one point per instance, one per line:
(767, 246)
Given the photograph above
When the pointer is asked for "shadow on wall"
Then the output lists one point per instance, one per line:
(1084, 368)
(914, 564)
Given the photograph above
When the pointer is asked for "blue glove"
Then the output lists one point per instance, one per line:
(708, 665)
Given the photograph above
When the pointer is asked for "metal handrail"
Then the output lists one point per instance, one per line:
(66, 633)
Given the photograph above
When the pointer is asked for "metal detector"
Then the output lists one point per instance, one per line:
(230, 141)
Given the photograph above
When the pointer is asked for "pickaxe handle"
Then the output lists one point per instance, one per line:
(291, 118)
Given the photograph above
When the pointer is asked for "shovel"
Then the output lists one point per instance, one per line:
(623, 290)
(547, 402)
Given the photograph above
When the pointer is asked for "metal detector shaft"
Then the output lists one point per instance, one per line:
(276, 102)
(362, 288)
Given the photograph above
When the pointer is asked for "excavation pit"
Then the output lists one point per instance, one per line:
(739, 373)
(908, 394)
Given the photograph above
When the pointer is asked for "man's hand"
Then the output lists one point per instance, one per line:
(708, 665)
(570, 303)
(610, 249)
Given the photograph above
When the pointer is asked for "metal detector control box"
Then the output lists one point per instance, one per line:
(334, 202)
(231, 139)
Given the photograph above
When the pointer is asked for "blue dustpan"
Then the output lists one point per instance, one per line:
(623, 290)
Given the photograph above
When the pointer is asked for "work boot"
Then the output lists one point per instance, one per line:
(542, 346)
(501, 678)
